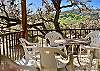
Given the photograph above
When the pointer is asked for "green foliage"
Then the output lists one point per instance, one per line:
(68, 19)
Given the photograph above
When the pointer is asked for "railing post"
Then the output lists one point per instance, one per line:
(7, 45)
(0, 51)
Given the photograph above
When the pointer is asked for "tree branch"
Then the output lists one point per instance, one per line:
(3, 5)
(79, 8)
(17, 21)
(50, 20)
(67, 6)
(85, 6)
(11, 24)
(33, 25)
(39, 30)
(10, 19)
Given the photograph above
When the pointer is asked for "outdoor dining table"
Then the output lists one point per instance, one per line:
(80, 42)
(68, 41)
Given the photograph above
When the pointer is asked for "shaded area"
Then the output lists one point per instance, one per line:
(7, 64)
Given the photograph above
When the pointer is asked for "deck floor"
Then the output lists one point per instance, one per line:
(9, 65)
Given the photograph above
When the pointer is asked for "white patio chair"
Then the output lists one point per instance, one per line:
(52, 36)
(48, 61)
(92, 50)
(30, 55)
(94, 37)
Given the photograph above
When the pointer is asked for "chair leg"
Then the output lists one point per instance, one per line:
(65, 50)
(98, 64)
(90, 54)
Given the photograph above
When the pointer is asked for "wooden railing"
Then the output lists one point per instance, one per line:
(35, 35)
(10, 47)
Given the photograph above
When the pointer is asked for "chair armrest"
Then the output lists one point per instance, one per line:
(61, 53)
(91, 47)
(32, 44)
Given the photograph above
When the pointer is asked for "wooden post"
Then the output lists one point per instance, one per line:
(24, 19)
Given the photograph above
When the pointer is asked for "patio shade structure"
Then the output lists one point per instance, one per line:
(24, 19)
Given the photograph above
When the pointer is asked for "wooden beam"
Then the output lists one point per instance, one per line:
(24, 19)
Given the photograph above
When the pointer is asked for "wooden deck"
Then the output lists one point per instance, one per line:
(7, 64)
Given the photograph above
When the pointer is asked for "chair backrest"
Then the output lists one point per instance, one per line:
(48, 62)
(52, 36)
(47, 59)
(95, 38)
(28, 54)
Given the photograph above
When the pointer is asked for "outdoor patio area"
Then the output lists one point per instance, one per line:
(49, 35)
(15, 52)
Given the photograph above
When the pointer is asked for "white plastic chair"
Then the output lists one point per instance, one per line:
(48, 61)
(92, 50)
(30, 55)
(52, 36)
(95, 38)
(28, 47)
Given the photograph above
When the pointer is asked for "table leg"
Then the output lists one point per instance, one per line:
(70, 66)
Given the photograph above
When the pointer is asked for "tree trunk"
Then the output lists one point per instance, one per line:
(56, 23)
